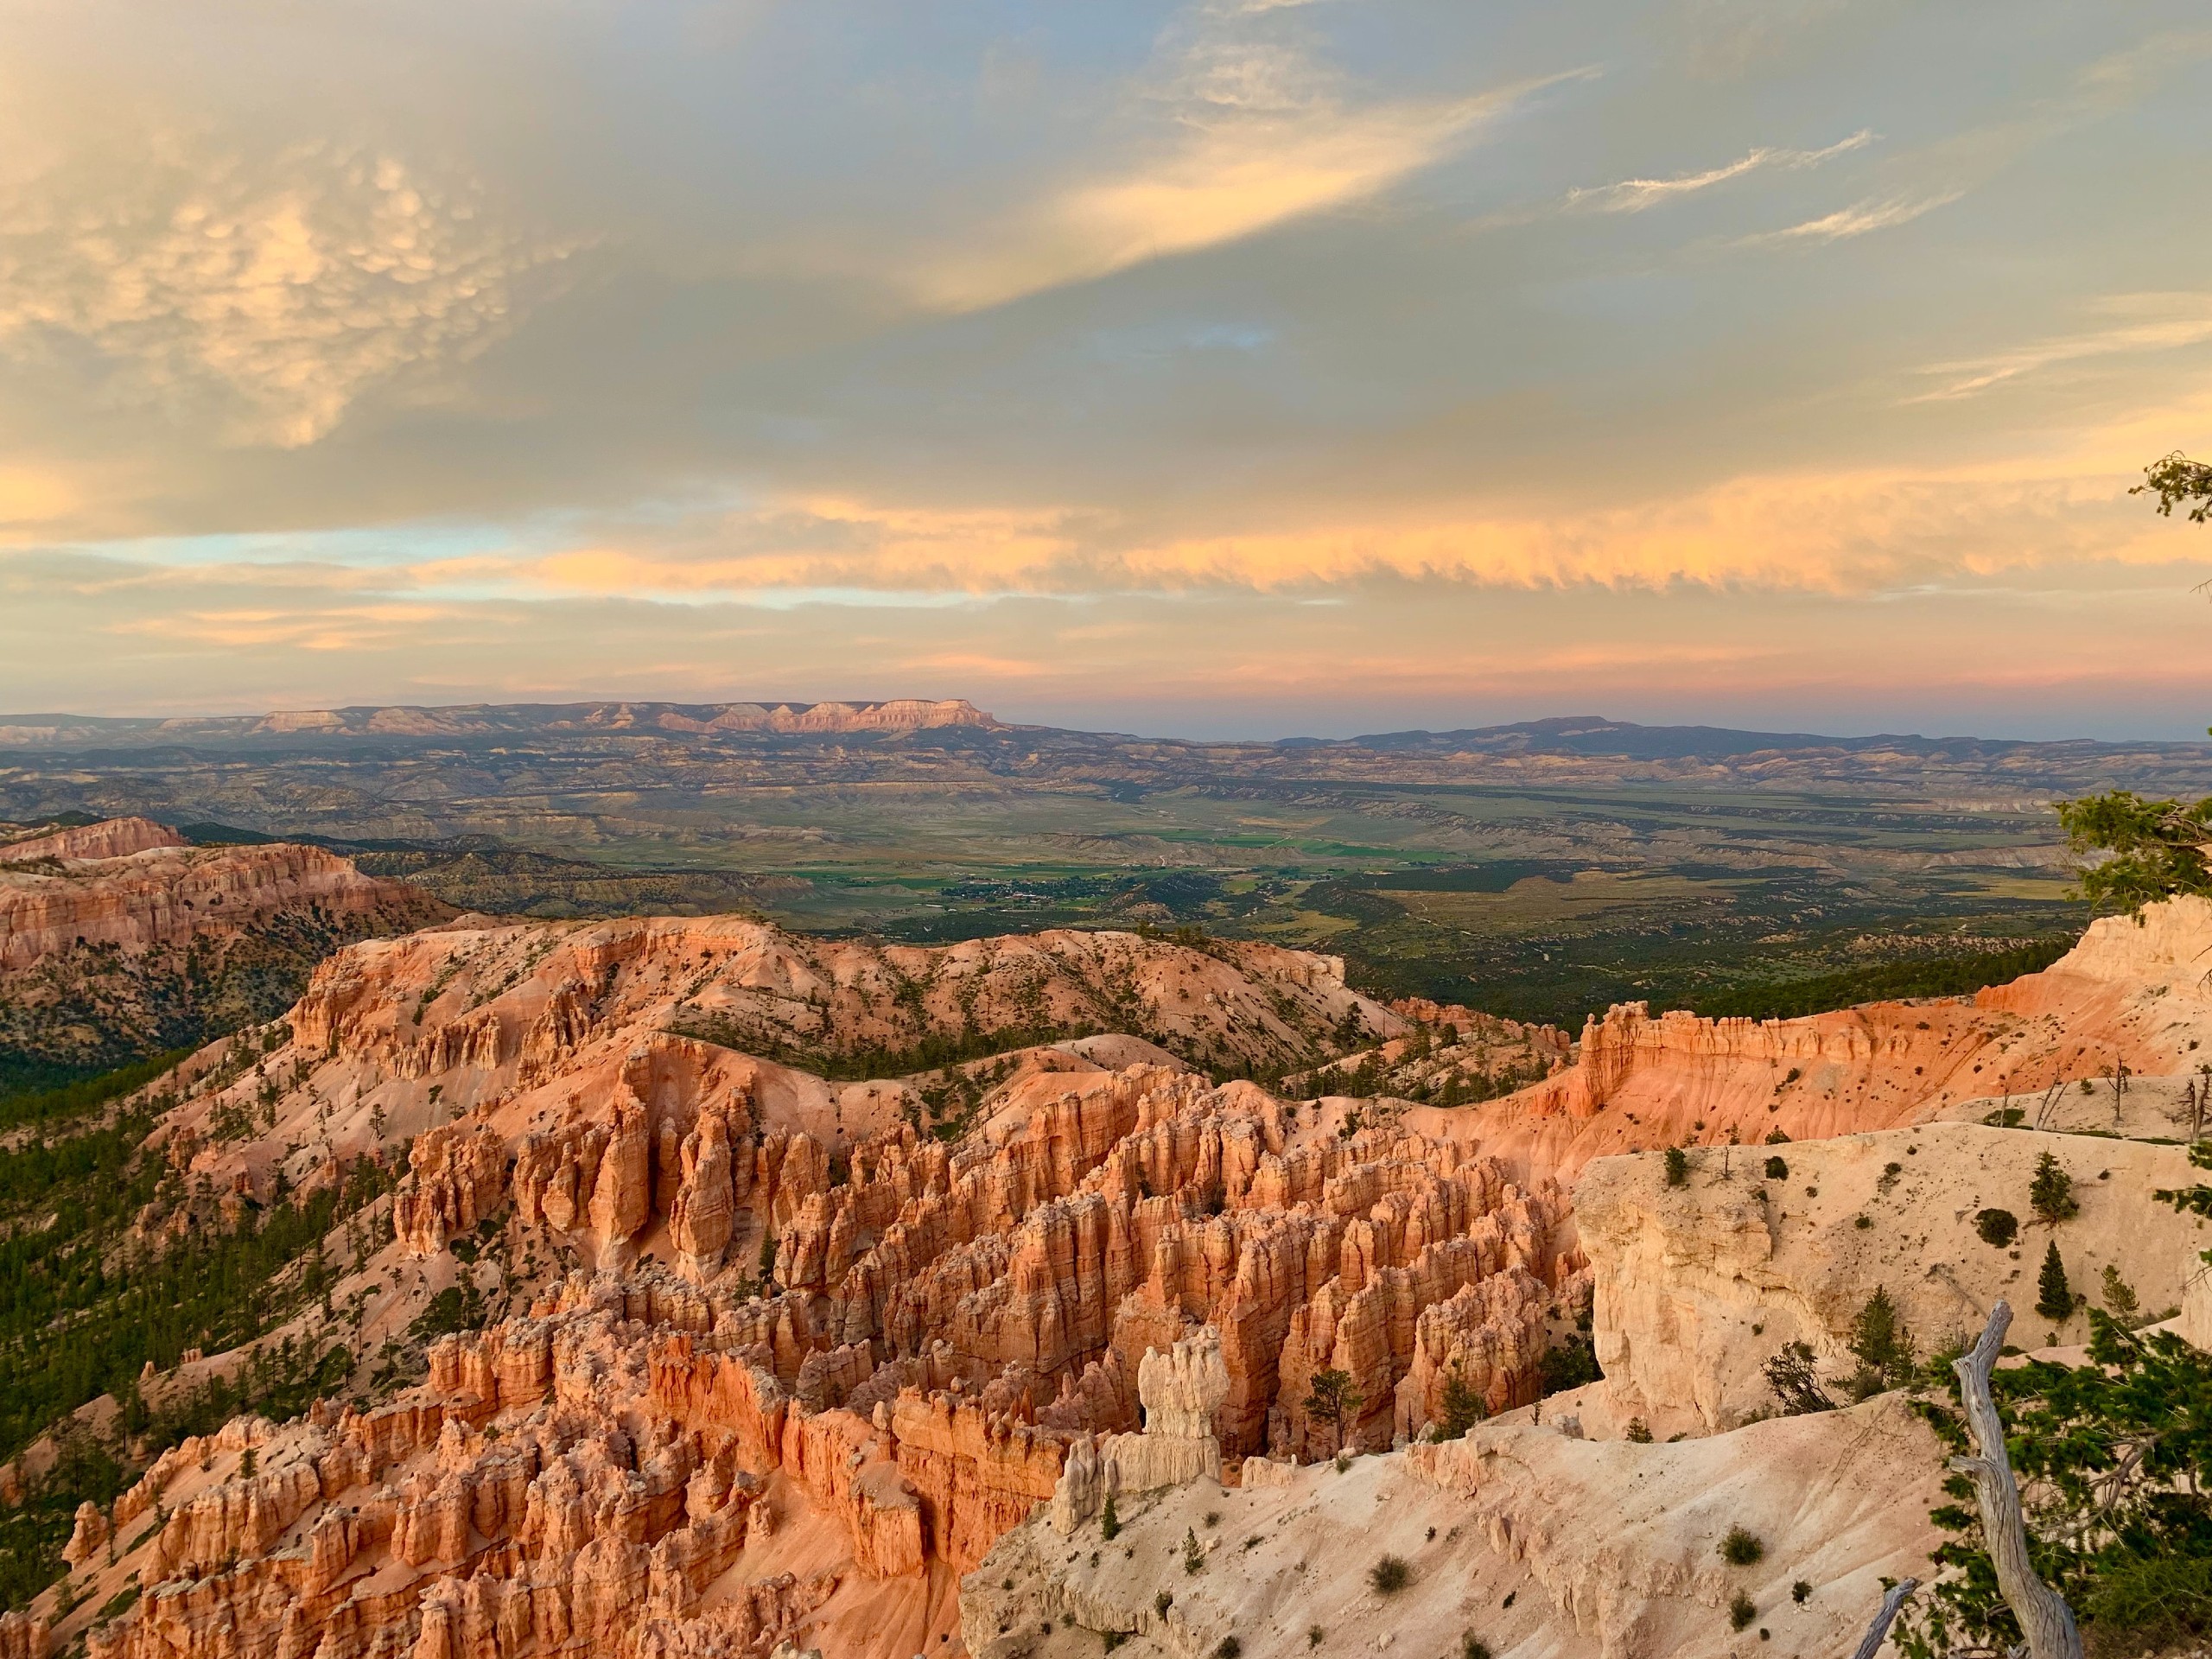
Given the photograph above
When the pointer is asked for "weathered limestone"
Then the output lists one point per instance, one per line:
(1182, 1387)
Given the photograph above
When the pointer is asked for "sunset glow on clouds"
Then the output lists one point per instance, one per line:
(1207, 367)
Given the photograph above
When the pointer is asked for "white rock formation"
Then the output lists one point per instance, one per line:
(1181, 1388)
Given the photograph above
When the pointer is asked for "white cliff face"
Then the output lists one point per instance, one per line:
(1698, 1285)
(1181, 1388)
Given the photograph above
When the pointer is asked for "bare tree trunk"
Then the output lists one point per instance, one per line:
(2045, 1619)
(1879, 1631)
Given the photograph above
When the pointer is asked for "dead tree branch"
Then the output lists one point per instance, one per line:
(2045, 1619)
(1879, 1631)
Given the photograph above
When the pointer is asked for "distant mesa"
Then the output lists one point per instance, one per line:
(507, 719)
(896, 714)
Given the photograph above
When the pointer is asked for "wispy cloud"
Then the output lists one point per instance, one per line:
(1237, 127)
(2143, 322)
(1857, 220)
(1634, 195)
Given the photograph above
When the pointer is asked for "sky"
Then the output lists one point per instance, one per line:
(1234, 368)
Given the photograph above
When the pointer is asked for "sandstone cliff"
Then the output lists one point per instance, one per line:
(2136, 993)
(119, 939)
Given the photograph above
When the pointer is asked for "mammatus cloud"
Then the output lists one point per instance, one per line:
(1238, 126)
(2141, 322)
(262, 295)
(1634, 195)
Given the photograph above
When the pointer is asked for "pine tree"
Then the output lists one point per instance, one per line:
(1335, 1397)
(2120, 1295)
(1463, 1407)
(1883, 1344)
(2050, 1195)
(2054, 1296)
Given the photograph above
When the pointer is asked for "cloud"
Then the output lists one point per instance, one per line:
(1634, 195)
(2151, 322)
(1834, 532)
(1237, 127)
(265, 295)
(1855, 220)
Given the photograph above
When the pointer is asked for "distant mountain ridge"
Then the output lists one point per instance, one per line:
(1595, 736)
(1589, 736)
(476, 719)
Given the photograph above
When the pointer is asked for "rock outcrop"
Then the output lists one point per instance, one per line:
(119, 938)
(2133, 993)
(807, 1363)
(1181, 1387)
(1698, 1285)
(1521, 1537)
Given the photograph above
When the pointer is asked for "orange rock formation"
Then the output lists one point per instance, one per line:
(775, 1363)
(2129, 991)
(808, 1363)
(132, 883)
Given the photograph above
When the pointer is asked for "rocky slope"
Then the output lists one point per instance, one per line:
(879, 1347)
(2133, 993)
(1523, 1537)
(1699, 1285)
(794, 1302)
(119, 938)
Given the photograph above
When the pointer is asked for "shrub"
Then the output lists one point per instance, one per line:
(1194, 1557)
(2054, 1296)
(1228, 1648)
(1997, 1227)
(1570, 1363)
(1113, 1639)
(2166, 1598)
(118, 1603)
(1639, 1431)
(1315, 1636)
(1162, 1602)
(1390, 1575)
(1799, 1592)
(1776, 1138)
(1678, 1167)
(1110, 1524)
(1796, 1381)
(1741, 1549)
(1472, 1647)
(2050, 1194)
(1740, 1611)
(1213, 1518)
(1776, 1169)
